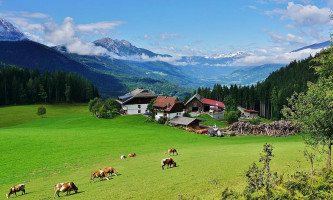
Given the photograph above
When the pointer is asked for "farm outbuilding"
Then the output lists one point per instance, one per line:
(250, 114)
(185, 122)
(198, 104)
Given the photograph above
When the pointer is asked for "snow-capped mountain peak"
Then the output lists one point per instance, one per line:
(230, 55)
(8, 32)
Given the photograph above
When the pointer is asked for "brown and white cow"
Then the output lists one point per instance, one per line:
(173, 151)
(132, 155)
(64, 187)
(98, 174)
(168, 162)
(16, 188)
(110, 170)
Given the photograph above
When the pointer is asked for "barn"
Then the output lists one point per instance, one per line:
(199, 105)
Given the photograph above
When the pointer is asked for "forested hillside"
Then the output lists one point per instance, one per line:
(269, 96)
(23, 86)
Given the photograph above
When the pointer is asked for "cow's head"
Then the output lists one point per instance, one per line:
(115, 172)
(75, 188)
(7, 196)
(174, 164)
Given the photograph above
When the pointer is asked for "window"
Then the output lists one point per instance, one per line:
(139, 106)
(139, 111)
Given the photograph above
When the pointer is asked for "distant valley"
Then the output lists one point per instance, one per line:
(124, 66)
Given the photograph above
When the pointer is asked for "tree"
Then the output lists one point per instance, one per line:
(151, 109)
(112, 105)
(313, 109)
(42, 93)
(230, 103)
(41, 110)
(67, 93)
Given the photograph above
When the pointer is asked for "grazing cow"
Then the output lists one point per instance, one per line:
(16, 188)
(98, 173)
(110, 170)
(122, 157)
(168, 162)
(173, 151)
(132, 155)
(64, 187)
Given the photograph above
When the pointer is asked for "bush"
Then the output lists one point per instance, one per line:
(264, 184)
(186, 114)
(254, 121)
(41, 110)
(161, 120)
(231, 116)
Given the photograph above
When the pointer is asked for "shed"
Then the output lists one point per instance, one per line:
(185, 122)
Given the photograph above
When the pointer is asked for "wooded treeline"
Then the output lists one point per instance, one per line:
(23, 86)
(269, 96)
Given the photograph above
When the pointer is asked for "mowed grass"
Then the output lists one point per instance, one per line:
(70, 143)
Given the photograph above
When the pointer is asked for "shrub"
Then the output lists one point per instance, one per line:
(231, 116)
(161, 120)
(41, 110)
(254, 121)
(186, 114)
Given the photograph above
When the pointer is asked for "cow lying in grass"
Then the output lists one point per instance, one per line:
(64, 187)
(168, 162)
(173, 151)
(99, 173)
(122, 157)
(16, 188)
(132, 155)
(110, 170)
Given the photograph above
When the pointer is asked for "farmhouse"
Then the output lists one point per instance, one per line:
(136, 101)
(185, 122)
(168, 107)
(199, 105)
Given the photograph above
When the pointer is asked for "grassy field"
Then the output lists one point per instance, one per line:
(209, 121)
(70, 142)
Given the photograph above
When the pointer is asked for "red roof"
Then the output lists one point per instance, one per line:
(251, 111)
(163, 101)
(213, 102)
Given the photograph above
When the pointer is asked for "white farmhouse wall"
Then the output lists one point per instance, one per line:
(159, 115)
(169, 115)
(132, 109)
(173, 115)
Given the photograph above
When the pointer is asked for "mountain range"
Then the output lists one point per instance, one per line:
(131, 66)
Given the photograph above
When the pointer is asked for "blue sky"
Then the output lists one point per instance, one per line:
(176, 27)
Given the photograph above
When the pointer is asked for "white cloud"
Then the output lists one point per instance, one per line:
(86, 48)
(25, 25)
(96, 27)
(304, 16)
(170, 36)
(288, 38)
(62, 34)
(282, 58)
(253, 7)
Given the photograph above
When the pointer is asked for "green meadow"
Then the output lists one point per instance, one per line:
(69, 142)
